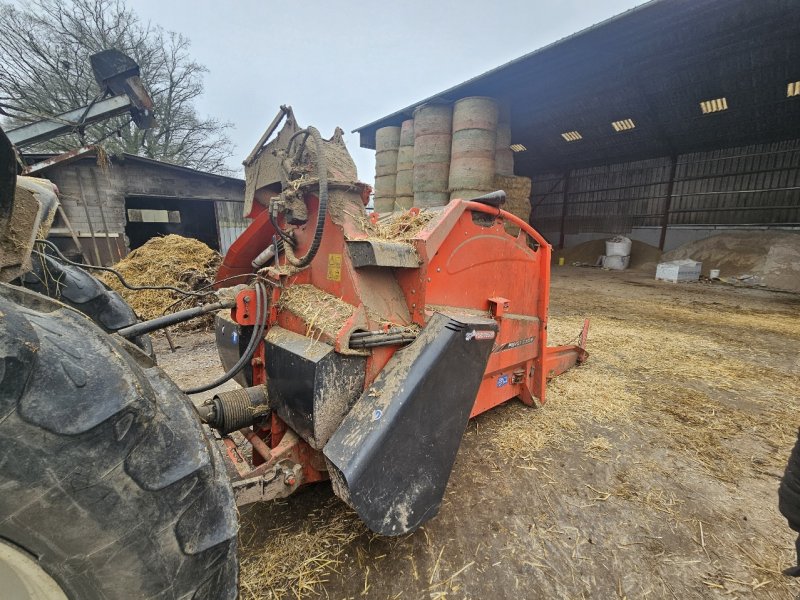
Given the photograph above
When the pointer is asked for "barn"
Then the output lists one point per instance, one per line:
(112, 205)
(668, 123)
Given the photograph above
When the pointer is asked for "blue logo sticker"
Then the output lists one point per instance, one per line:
(235, 337)
(377, 414)
(502, 380)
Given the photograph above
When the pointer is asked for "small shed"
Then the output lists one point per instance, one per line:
(115, 205)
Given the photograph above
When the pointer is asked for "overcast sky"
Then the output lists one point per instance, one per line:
(348, 63)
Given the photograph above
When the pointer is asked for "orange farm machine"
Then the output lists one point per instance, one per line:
(365, 342)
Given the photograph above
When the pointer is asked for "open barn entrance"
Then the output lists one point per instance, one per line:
(150, 217)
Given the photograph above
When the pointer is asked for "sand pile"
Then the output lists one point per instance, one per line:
(184, 263)
(767, 258)
(644, 257)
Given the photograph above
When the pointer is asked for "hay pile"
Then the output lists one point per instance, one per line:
(401, 226)
(644, 257)
(768, 258)
(184, 263)
(518, 198)
(294, 560)
(322, 312)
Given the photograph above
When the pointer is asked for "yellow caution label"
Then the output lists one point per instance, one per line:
(335, 267)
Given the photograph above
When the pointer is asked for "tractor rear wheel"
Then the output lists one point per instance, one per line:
(83, 291)
(109, 486)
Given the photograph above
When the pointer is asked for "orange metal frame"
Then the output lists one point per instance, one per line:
(467, 263)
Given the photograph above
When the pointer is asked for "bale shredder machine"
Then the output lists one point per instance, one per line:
(364, 342)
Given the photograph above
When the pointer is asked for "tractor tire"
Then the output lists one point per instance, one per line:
(109, 485)
(81, 290)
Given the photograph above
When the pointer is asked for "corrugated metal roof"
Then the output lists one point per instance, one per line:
(34, 157)
(654, 65)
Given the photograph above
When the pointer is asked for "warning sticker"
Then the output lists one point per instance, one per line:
(334, 267)
(478, 334)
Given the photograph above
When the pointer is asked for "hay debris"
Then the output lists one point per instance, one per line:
(173, 260)
(683, 382)
(321, 311)
(401, 226)
(598, 446)
(295, 560)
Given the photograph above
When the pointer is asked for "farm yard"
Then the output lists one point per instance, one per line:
(652, 471)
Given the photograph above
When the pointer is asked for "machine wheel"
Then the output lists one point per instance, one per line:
(109, 486)
(84, 292)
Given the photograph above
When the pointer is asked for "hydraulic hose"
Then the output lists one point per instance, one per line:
(258, 333)
(321, 209)
(173, 318)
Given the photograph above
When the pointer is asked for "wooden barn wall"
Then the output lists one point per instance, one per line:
(755, 185)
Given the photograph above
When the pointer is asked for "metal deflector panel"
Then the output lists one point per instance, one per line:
(392, 455)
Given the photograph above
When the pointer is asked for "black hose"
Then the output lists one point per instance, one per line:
(173, 318)
(169, 288)
(306, 132)
(322, 209)
(258, 332)
(284, 236)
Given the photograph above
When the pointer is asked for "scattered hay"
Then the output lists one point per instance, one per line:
(683, 382)
(296, 559)
(320, 310)
(173, 260)
(598, 446)
(402, 226)
(575, 399)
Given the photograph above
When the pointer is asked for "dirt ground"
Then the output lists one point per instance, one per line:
(650, 473)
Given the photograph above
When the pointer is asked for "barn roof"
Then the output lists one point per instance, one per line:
(653, 65)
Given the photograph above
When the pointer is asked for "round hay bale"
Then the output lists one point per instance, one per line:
(430, 199)
(475, 112)
(387, 138)
(431, 119)
(386, 162)
(407, 133)
(474, 141)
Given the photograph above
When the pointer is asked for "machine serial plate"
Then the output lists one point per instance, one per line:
(334, 267)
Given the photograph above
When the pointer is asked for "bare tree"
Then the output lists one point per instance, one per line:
(45, 70)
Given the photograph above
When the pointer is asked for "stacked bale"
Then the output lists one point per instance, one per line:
(503, 155)
(518, 198)
(404, 189)
(432, 138)
(472, 166)
(387, 144)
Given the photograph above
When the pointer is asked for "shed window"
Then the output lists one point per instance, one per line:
(793, 89)
(571, 136)
(715, 105)
(623, 125)
(146, 215)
